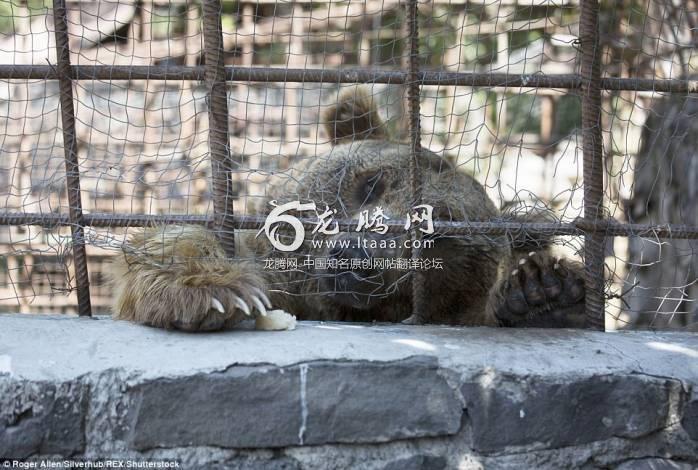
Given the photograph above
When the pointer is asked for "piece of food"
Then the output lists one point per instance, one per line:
(275, 320)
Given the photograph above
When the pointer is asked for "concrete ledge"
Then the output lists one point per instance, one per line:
(331, 395)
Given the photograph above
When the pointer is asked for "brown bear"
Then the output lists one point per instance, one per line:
(179, 277)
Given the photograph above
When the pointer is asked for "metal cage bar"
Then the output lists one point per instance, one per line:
(218, 139)
(72, 166)
(413, 104)
(592, 144)
(349, 75)
(607, 227)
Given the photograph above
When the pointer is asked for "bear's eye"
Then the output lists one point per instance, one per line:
(370, 188)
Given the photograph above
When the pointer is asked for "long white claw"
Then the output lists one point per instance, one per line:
(243, 306)
(215, 303)
(259, 305)
(262, 296)
(531, 253)
(522, 261)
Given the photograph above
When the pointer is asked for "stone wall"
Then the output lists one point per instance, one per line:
(331, 395)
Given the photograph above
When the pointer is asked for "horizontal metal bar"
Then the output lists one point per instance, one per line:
(496, 227)
(102, 220)
(281, 75)
(649, 84)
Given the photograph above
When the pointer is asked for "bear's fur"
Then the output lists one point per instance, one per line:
(178, 277)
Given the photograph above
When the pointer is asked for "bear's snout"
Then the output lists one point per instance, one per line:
(357, 273)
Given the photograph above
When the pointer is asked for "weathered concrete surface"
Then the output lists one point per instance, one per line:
(348, 396)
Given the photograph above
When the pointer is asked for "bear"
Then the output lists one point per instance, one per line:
(178, 276)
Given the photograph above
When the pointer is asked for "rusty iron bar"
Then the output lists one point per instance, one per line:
(218, 139)
(353, 75)
(413, 105)
(580, 226)
(592, 146)
(72, 166)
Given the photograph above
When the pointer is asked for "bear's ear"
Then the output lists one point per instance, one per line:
(353, 117)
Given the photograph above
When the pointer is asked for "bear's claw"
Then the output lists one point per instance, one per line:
(262, 296)
(414, 319)
(260, 306)
(243, 306)
(215, 303)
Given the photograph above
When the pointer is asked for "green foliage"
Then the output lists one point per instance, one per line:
(39, 7)
(433, 47)
(568, 115)
(523, 114)
(6, 18)
(522, 39)
(479, 49)
(440, 36)
(168, 21)
(229, 8)
(274, 53)
(386, 51)
(228, 23)
(11, 11)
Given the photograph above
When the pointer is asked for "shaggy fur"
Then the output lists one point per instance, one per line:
(168, 276)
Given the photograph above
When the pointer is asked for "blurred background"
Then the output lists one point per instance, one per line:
(142, 144)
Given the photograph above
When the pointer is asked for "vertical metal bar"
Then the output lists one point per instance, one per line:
(413, 94)
(72, 166)
(218, 140)
(593, 162)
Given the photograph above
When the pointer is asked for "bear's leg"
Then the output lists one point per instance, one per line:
(540, 291)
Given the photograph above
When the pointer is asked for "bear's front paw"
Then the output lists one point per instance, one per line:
(227, 306)
(190, 300)
(542, 292)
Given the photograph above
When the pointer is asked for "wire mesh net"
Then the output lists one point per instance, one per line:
(500, 100)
